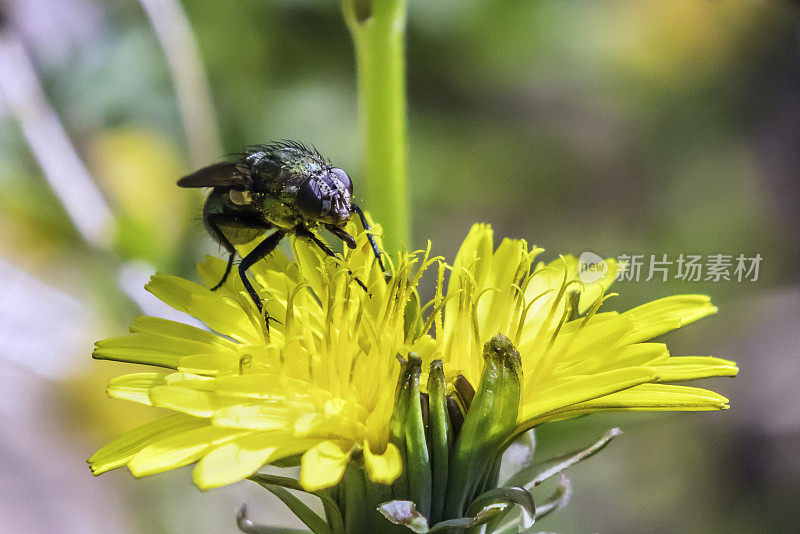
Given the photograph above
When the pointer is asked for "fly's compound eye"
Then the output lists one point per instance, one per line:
(309, 199)
(345, 180)
(240, 198)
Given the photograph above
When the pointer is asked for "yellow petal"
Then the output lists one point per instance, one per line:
(474, 257)
(582, 389)
(242, 456)
(640, 354)
(259, 416)
(508, 265)
(121, 450)
(323, 465)
(259, 385)
(210, 364)
(662, 315)
(310, 263)
(177, 450)
(657, 397)
(136, 349)
(187, 400)
(161, 342)
(184, 334)
(135, 387)
(383, 468)
(693, 367)
(219, 313)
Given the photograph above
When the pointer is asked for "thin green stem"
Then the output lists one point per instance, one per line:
(378, 30)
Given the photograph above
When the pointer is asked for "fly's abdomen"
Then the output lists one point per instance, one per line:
(237, 225)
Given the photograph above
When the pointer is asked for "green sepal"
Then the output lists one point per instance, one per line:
(490, 477)
(510, 523)
(404, 513)
(353, 496)
(309, 517)
(537, 473)
(557, 500)
(248, 527)
(416, 460)
(495, 504)
(440, 435)
(333, 514)
(506, 495)
(490, 420)
(397, 430)
(289, 461)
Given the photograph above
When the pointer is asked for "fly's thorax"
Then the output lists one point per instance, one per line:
(280, 211)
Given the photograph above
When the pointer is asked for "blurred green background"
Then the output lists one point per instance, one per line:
(616, 127)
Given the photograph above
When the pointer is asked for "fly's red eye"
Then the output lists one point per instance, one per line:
(309, 199)
(342, 176)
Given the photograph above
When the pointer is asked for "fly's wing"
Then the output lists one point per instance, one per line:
(228, 175)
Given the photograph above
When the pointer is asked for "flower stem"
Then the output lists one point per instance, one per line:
(378, 30)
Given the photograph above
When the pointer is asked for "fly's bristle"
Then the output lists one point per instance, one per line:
(275, 147)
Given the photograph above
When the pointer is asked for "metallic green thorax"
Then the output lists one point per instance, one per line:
(280, 170)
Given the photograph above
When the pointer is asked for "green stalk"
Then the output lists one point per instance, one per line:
(378, 30)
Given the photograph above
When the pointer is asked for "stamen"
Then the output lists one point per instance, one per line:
(475, 323)
(438, 314)
(524, 315)
(289, 321)
(435, 314)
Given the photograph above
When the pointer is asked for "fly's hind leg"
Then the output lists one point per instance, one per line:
(228, 267)
(215, 222)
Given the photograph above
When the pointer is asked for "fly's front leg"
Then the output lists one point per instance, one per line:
(370, 237)
(302, 231)
(263, 248)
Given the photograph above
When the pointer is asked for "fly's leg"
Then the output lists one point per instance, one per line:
(263, 248)
(228, 268)
(371, 238)
(302, 231)
(215, 222)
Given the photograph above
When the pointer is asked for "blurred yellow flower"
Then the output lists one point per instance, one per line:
(320, 385)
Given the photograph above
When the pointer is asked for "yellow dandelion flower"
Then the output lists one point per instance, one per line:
(321, 387)
(320, 383)
(575, 359)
